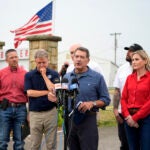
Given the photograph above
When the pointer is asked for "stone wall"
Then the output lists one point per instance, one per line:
(47, 42)
(2, 44)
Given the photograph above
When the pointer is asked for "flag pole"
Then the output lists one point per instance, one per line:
(53, 16)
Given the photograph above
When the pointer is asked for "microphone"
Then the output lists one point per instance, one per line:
(58, 90)
(64, 69)
(74, 87)
(73, 92)
(78, 104)
(64, 86)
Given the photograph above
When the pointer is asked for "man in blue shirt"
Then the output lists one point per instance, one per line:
(42, 102)
(93, 94)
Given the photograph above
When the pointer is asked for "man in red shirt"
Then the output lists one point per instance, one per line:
(12, 101)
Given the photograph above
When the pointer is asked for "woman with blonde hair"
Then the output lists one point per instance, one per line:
(135, 103)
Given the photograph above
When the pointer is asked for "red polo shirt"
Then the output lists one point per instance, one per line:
(136, 94)
(12, 85)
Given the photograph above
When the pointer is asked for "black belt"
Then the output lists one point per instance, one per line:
(91, 113)
(132, 111)
(11, 104)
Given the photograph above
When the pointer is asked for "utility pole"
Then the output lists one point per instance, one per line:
(115, 42)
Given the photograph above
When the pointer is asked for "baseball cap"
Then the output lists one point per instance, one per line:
(134, 47)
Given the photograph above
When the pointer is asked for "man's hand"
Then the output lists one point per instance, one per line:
(52, 97)
(43, 71)
(117, 116)
(63, 69)
(49, 84)
(84, 106)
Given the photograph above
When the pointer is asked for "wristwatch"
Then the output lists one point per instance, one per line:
(94, 103)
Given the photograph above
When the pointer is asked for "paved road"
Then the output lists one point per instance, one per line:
(108, 140)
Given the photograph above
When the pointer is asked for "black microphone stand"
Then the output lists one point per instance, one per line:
(65, 113)
(73, 99)
(67, 116)
(65, 102)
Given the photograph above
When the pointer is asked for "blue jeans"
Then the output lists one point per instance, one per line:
(12, 119)
(0, 125)
(122, 135)
(139, 138)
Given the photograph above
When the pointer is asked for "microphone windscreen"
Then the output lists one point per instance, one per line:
(56, 80)
(64, 83)
(74, 80)
(66, 66)
(74, 84)
(57, 83)
(64, 80)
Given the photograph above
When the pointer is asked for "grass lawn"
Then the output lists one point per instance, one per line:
(106, 117)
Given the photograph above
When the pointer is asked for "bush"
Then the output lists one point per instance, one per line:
(60, 117)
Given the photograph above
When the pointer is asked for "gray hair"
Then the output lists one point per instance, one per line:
(41, 53)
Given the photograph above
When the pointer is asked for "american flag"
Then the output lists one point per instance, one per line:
(40, 23)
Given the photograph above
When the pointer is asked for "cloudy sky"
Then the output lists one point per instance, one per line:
(89, 22)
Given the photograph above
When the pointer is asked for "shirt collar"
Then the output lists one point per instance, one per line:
(13, 69)
(87, 73)
(145, 75)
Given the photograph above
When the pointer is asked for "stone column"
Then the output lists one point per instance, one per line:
(47, 42)
(2, 44)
